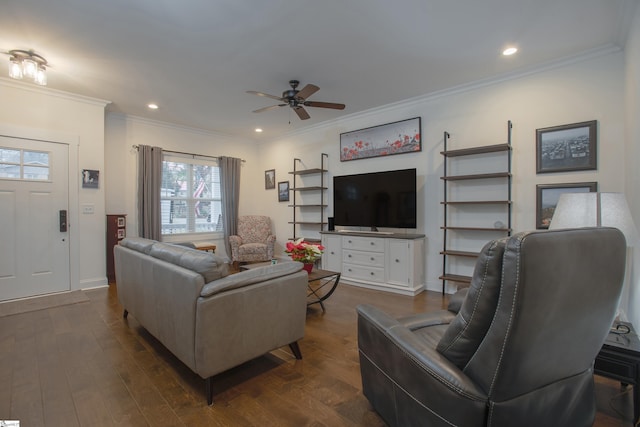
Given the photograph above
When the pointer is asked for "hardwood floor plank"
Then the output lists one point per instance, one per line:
(83, 365)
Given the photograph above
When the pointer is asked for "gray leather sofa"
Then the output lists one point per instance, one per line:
(209, 320)
(520, 350)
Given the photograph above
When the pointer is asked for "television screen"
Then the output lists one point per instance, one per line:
(378, 199)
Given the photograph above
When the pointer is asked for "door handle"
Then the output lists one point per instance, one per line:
(62, 215)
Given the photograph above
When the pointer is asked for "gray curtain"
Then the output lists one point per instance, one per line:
(149, 183)
(230, 194)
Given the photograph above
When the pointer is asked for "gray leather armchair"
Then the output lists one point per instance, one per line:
(520, 350)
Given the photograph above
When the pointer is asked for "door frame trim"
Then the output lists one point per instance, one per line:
(73, 141)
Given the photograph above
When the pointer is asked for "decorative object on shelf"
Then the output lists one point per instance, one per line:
(304, 252)
(283, 191)
(567, 148)
(548, 195)
(90, 178)
(270, 179)
(28, 64)
(383, 140)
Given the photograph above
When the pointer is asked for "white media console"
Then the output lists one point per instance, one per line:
(390, 262)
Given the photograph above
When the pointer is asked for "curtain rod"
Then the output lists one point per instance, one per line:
(188, 154)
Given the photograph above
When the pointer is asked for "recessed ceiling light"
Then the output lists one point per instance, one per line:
(258, 130)
(152, 106)
(509, 51)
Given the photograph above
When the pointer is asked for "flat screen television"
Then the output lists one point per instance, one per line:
(377, 199)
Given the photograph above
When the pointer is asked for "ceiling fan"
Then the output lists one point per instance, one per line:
(297, 100)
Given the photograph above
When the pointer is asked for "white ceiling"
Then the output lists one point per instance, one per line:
(196, 58)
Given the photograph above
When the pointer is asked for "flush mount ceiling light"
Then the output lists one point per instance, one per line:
(28, 65)
(509, 51)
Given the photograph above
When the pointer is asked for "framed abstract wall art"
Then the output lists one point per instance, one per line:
(383, 140)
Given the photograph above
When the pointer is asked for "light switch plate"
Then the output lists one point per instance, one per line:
(87, 209)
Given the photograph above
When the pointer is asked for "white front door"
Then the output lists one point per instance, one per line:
(34, 190)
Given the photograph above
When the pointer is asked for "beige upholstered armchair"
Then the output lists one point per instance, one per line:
(254, 241)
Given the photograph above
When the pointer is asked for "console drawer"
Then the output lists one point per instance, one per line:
(369, 274)
(375, 259)
(370, 244)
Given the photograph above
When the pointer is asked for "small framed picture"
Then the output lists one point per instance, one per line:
(90, 178)
(121, 222)
(547, 196)
(121, 233)
(567, 148)
(283, 191)
(270, 179)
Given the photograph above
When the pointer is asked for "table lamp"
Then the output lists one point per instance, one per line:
(575, 210)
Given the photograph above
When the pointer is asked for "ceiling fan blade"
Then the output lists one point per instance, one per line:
(324, 105)
(302, 113)
(253, 92)
(307, 91)
(271, 107)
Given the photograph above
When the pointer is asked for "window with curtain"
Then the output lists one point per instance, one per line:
(190, 196)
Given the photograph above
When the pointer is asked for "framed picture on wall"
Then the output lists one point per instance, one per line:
(283, 191)
(567, 148)
(547, 196)
(382, 140)
(270, 179)
(90, 178)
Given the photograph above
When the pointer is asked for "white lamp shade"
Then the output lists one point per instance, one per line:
(575, 210)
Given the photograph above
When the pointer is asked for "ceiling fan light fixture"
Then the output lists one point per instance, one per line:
(297, 100)
(28, 64)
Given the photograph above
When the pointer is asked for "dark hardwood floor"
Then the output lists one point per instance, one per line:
(84, 365)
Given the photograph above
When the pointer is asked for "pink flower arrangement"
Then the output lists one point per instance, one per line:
(303, 251)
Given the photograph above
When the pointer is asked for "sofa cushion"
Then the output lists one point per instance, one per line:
(138, 244)
(467, 330)
(210, 266)
(248, 277)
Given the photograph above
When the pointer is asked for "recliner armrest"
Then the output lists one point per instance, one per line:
(436, 368)
(432, 318)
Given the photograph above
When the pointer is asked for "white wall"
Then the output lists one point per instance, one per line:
(123, 132)
(593, 88)
(79, 121)
(632, 154)
(589, 89)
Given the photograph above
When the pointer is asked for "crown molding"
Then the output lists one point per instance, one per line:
(608, 49)
(44, 90)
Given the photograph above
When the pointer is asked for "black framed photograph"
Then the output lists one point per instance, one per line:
(547, 196)
(270, 179)
(567, 148)
(90, 178)
(283, 191)
(383, 140)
